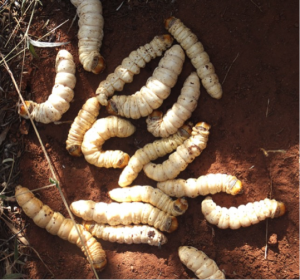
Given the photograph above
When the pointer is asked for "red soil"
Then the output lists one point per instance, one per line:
(254, 48)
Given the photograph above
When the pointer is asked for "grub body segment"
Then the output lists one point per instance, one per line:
(242, 216)
(184, 154)
(82, 123)
(150, 195)
(130, 234)
(95, 137)
(90, 34)
(199, 263)
(203, 185)
(152, 151)
(164, 126)
(130, 66)
(124, 214)
(157, 88)
(62, 93)
(56, 224)
(199, 58)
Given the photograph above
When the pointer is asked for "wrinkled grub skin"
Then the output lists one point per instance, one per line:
(259, 109)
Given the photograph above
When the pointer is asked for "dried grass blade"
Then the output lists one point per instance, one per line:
(46, 44)
(3, 134)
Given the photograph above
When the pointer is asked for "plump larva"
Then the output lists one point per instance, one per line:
(184, 154)
(164, 126)
(135, 234)
(102, 130)
(244, 215)
(62, 92)
(56, 224)
(150, 195)
(195, 51)
(157, 88)
(90, 34)
(152, 151)
(82, 123)
(199, 263)
(131, 65)
(125, 213)
(204, 185)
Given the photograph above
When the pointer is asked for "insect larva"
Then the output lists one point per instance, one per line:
(244, 215)
(156, 90)
(164, 126)
(125, 213)
(199, 58)
(184, 154)
(152, 151)
(90, 34)
(82, 123)
(56, 224)
(62, 92)
(150, 195)
(199, 263)
(204, 185)
(102, 130)
(131, 65)
(135, 234)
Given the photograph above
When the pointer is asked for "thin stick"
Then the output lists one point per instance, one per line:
(53, 30)
(267, 224)
(266, 249)
(73, 20)
(256, 6)
(230, 67)
(41, 259)
(267, 107)
(50, 166)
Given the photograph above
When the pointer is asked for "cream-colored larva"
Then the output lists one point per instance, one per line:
(82, 123)
(244, 215)
(90, 34)
(94, 138)
(150, 195)
(56, 224)
(157, 88)
(199, 263)
(131, 65)
(204, 185)
(125, 213)
(199, 58)
(62, 92)
(152, 151)
(135, 234)
(184, 154)
(164, 126)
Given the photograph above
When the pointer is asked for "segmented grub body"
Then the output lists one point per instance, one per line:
(135, 234)
(56, 224)
(62, 92)
(131, 66)
(184, 154)
(199, 263)
(150, 195)
(204, 185)
(244, 215)
(199, 58)
(82, 123)
(102, 130)
(124, 214)
(90, 34)
(164, 126)
(152, 151)
(157, 88)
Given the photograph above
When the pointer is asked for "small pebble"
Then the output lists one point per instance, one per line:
(273, 240)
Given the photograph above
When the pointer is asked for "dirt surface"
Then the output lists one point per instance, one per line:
(254, 48)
